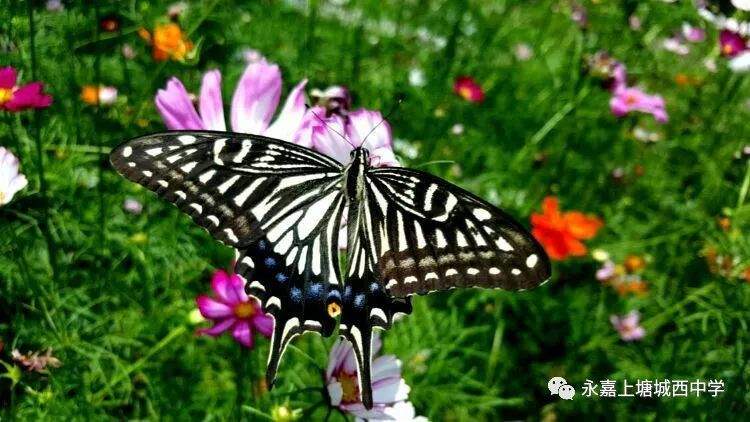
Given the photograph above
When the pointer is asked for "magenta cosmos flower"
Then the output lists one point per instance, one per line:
(731, 43)
(11, 181)
(18, 98)
(253, 105)
(628, 326)
(468, 89)
(389, 390)
(232, 309)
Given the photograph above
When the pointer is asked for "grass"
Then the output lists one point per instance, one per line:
(112, 293)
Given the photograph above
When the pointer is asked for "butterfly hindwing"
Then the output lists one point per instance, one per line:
(433, 235)
(277, 204)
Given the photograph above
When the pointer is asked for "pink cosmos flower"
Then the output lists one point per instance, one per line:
(361, 127)
(36, 362)
(232, 309)
(628, 326)
(630, 99)
(606, 272)
(693, 33)
(389, 390)
(253, 105)
(731, 43)
(18, 98)
(11, 181)
(468, 89)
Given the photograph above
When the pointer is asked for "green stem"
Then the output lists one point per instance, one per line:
(98, 112)
(44, 223)
(745, 187)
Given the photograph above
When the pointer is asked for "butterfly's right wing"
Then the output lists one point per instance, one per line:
(279, 205)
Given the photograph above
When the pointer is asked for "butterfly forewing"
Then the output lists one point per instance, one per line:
(277, 204)
(431, 235)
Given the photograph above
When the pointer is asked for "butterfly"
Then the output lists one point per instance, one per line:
(280, 206)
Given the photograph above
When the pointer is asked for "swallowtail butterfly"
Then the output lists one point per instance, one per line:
(280, 206)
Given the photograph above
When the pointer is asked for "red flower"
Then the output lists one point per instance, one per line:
(561, 233)
(468, 89)
(19, 98)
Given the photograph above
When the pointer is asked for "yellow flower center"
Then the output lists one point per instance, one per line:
(244, 310)
(465, 92)
(350, 387)
(630, 99)
(5, 95)
(727, 49)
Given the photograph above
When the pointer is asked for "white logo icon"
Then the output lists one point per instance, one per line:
(559, 387)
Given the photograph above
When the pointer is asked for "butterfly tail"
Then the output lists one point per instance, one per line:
(361, 340)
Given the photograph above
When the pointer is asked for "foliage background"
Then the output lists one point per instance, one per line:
(115, 296)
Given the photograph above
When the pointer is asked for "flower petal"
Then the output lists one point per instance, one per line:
(256, 97)
(243, 334)
(325, 139)
(211, 106)
(29, 96)
(390, 390)
(175, 107)
(218, 327)
(290, 118)
(223, 285)
(8, 76)
(361, 124)
(335, 392)
(263, 323)
(211, 308)
(582, 226)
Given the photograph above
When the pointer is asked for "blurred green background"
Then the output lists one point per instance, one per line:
(112, 293)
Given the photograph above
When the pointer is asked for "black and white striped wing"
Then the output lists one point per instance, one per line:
(279, 205)
(428, 234)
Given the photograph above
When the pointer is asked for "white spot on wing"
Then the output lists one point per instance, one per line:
(231, 235)
(218, 146)
(431, 276)
(228, 183)
(246, 145)
(450, 272)
(503, 244)
(255, 284)
(186, 139)
(515, 271)
(481, 214)
(213, 219)
(472, 271)
(461, 240)
(187, 168)
(197, 207)
(205, 177)
(440, 238)
(532, 260)
(494, 271)
(242, 197)
(127, 151)
(410, 279)
(154, 151)
(284, 244)
(392, 282)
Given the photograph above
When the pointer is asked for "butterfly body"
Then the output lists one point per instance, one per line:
(281, 207)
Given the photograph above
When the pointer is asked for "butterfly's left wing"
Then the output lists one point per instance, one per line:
(418, 234)
(279, 205)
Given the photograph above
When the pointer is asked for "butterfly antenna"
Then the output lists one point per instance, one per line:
(330, 128)
(398, 102)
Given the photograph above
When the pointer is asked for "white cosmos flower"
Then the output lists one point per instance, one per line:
(11, 181)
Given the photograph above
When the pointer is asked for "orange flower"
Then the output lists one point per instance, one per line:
(561, 233)
(634, 263)
(636, 287)
(168, 42)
